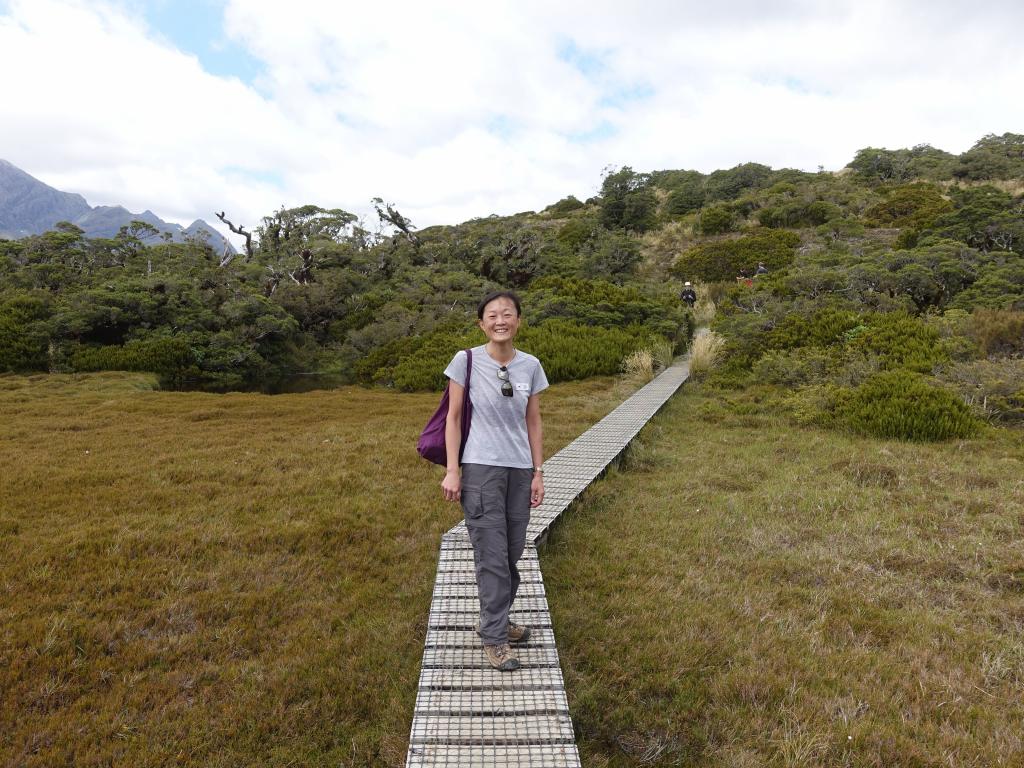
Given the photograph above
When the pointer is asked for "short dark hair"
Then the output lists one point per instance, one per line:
(510, 295)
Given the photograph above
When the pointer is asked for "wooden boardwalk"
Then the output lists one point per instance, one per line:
(468, 714)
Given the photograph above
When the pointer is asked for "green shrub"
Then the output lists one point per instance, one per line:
(167, 356)
(23, 336)
(723, 259)
(564, 206)
(598, 302)
(904, 406)
(792, 368)
(716, 219)
(799, 214)
(569, 350)
(899, 341)
(823, 328)
(909, 205)
(566, 349)
(424, 368)
(813, 405)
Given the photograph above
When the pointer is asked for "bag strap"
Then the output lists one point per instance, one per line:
(466, 407)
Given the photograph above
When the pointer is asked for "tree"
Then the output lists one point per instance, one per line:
(239, 230)
(514, 261)
(23, 333)
(564, 206)
(610, 256)
(716, 219)
(388, 214)
(984, 217)
(730, 184)
(993, 157)
(627, 201)
(295, 241)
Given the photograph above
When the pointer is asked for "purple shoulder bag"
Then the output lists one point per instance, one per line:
(431, 444)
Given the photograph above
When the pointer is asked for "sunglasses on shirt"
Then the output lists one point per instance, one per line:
(506, 385)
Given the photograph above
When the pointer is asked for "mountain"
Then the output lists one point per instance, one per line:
(30, 207)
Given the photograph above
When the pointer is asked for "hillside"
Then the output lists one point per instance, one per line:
(902, 272)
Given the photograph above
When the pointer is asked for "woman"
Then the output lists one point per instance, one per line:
(501, 465)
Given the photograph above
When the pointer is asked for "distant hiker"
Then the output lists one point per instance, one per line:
(688, 295)
(761, 269)
(501, 462)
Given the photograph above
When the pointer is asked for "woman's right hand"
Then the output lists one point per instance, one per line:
(451, 486)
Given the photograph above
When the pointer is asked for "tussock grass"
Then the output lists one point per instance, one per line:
(753, 594)
(705, 352)
(662, 353)
(639, 364)
(219, 580)
(704, 310)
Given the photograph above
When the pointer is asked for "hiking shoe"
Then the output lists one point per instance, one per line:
(516, 632)
(501, 657)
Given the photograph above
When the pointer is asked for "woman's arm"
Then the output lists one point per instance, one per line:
(451, 486)
(535, 432)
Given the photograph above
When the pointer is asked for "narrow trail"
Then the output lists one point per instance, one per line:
(468, 714)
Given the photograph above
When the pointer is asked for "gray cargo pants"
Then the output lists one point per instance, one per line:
(496, 503)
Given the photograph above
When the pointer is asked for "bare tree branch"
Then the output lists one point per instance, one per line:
(391, 215)
(238, 231)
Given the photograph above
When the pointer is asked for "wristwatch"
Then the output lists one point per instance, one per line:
(538, 470)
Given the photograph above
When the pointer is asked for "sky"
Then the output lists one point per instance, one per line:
(457, 110)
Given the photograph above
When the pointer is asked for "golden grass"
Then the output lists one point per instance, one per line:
(705, 352)
(704, 310)
(639, 365)
(1012, 186)
(662, 354)
(219, 580)
(753, 594)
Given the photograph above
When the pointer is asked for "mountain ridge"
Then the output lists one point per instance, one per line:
(29, 206)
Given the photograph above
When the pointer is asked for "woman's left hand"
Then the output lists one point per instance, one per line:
(537, 491)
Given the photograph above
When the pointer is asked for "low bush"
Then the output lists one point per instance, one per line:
(571, 351)
(799, 214)
(904, 406)
(723, 259)
(167, 356)
(997, 331)
(564, 206)
(994, 389)
(899, 341)
(599, 302)
(23, 336)
(821, 329)
(566, 349)
(792, 368)
(716, 219)
(909, 205)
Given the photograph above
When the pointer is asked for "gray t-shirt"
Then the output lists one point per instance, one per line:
(497, 435)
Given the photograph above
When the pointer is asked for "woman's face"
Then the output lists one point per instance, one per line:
(500, 321)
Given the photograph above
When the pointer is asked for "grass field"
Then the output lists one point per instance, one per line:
(234, 580)
(219, 580)
(743, 593)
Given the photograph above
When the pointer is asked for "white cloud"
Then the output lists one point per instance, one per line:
(454, 110)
